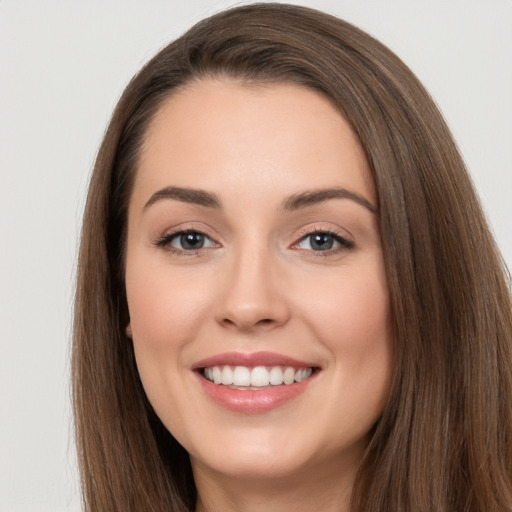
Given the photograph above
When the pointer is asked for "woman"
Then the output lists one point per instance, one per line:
(287, 294)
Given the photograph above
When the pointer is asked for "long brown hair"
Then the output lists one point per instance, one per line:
(444, 441)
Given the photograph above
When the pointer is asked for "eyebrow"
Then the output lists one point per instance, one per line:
(312, 197)
(294, 202)
(185, 195)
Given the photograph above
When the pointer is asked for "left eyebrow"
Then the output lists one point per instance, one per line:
(312, 197)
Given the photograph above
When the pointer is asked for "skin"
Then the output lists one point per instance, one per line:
(259, 285)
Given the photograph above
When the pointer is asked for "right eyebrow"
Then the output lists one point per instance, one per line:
(185, 195)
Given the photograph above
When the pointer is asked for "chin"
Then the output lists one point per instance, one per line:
(274, 453)
(257, 466)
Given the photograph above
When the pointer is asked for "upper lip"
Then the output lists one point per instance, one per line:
(251, 359)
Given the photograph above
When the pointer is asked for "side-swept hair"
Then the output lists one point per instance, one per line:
(444, 441)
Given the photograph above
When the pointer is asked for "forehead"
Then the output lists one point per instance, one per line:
(226, 134)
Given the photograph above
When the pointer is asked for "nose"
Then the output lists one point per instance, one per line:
(253, 297)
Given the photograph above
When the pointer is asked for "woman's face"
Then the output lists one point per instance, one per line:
(258, 301)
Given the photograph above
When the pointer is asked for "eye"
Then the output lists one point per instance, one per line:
(322, 241)
(186, 241)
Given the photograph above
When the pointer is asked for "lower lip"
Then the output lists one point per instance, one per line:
(253, 401)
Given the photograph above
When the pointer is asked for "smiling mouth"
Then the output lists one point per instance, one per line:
(254, 378)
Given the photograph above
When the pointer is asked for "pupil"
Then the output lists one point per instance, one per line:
(192, 240)
(321, 242)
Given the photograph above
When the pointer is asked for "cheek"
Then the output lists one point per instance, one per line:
(165, 312)
(353, 321)
(353, 312)
(365, 314)
(165, 309)
(164, 306)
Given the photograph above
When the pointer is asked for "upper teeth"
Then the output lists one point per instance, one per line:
(259, 376)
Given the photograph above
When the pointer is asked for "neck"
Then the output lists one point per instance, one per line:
(317, 488)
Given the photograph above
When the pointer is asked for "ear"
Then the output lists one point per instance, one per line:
(129, 330)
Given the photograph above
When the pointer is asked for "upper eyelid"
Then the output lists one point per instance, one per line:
(347, 242)
(302, 233)
(164, 238)
(173, 234)
(311, 230)
(188, 227)
(165, 242)
(330, 233)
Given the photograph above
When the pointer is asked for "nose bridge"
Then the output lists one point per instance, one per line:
(252, 297)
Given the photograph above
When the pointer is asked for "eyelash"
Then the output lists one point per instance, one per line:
(165, 241)
(344, 244)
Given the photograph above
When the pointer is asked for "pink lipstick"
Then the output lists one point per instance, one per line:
(253, 382)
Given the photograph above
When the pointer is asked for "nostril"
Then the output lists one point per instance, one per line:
(262, 324)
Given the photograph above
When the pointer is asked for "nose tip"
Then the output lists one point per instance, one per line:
(249, 320)
(253, 298)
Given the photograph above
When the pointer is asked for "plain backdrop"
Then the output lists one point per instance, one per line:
(63, 65)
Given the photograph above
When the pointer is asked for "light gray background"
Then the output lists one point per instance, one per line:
(62, 67)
